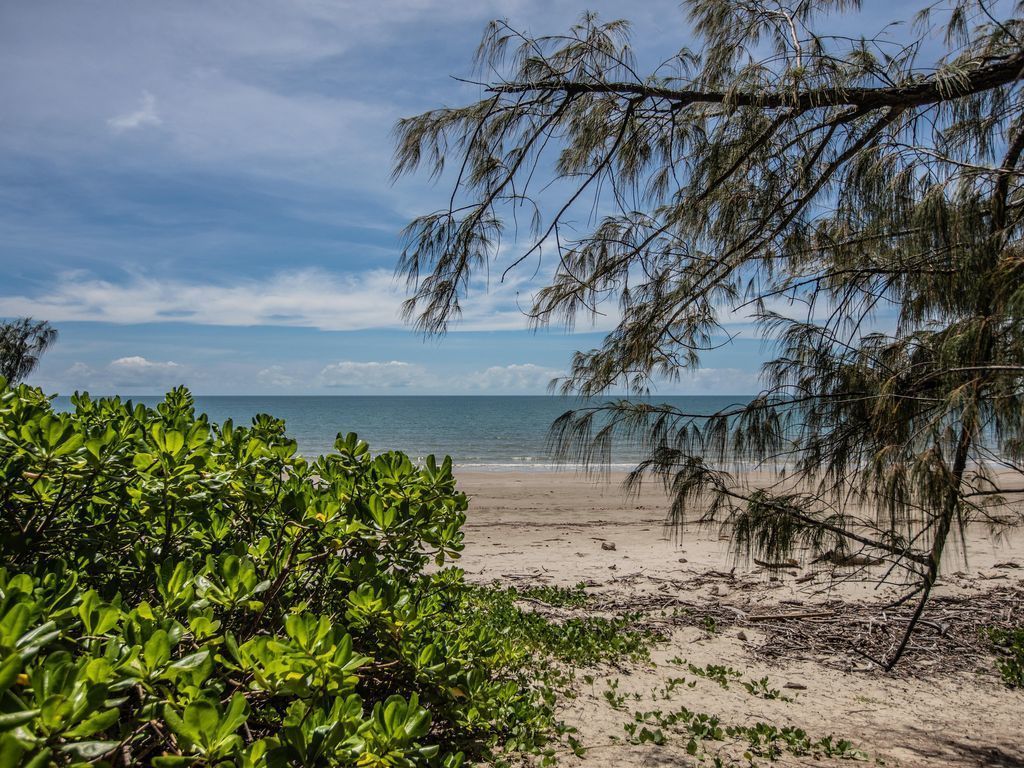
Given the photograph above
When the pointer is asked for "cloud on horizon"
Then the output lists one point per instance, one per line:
(277, 377)
(525, 377)
(352, 375)
(132, 371)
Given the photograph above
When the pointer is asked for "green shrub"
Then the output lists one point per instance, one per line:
(560, 597)
(176, 592)
(1009, 644)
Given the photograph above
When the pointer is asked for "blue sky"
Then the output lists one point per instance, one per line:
(198, 192)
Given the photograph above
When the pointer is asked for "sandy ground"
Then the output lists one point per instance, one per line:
(947, 708)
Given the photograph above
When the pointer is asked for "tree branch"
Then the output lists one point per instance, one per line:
(927, 91)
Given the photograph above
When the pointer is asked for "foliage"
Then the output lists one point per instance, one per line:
(616, 699)
(716, 672)
(759, 687)
(762, 739)
(856, 205)
(22, 342)
(583, 641)
(659, 726)
(185, 593)
(561, 597)
(723, 676)
(1009, 643)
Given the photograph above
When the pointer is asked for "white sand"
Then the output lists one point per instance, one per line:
(548, 528)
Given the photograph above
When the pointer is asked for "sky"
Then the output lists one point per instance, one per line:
(199, 192)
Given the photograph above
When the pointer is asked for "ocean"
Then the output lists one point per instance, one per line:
(479, 432)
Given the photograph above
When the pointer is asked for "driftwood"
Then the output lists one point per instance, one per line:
(789, 616)
(951, 638)
(841, 560)
(788, 564)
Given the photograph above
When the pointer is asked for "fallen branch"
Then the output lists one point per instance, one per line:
(788, 616)
(778, 566)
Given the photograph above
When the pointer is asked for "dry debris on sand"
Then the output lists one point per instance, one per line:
(814, 638)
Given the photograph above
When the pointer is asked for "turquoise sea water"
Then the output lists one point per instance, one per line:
(481, 432)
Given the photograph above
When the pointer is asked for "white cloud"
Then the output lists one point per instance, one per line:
(138, 371)
(523, 377)
(309, 298)
(145, 115)
(133, 374)
(219, 121)
(713, 381)
(394, 374)
(79, 371)
(303, 89)
(277, 377)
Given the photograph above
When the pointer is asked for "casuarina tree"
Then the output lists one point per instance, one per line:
(22, 343)
(856, 200)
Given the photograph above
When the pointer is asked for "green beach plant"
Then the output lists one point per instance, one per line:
(177, 592)
(1009, 646)
(854, 201)
(760, 739)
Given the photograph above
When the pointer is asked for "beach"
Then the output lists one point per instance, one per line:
(804, 628)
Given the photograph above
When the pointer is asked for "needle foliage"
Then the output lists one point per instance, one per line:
(22, 343)
(856, 201)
